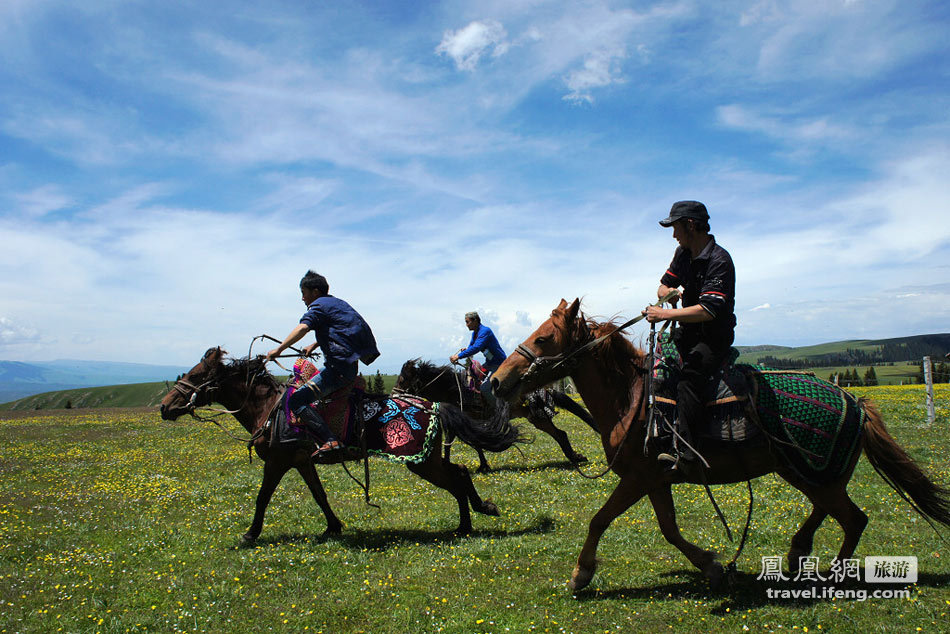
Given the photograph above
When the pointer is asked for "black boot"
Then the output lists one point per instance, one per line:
(327, 442)
(679, 451)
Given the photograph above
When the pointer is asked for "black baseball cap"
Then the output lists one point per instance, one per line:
(686, 209)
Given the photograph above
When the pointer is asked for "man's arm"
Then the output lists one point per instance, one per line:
(690, 314)
(295, 335)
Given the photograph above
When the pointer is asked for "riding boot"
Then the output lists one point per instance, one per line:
(689, 409)
(320, 429)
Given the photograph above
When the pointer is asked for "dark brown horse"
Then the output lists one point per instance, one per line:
(610, 376)
(250, 393)
(443, 383)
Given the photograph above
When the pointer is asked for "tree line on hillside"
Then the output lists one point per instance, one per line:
(851, 378)
(934, 346)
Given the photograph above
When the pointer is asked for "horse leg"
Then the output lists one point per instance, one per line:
(455, 479)
(627, 493)
(833, 499)
(803, 539)
(705, 560)
(312, 478)
(482, 462)
(546, 424)
(274, 470)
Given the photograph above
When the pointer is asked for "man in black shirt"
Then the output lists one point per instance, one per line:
(707, 319)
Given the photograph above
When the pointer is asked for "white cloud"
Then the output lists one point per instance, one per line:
(601, 68)
(42, 200)
(467, 45)
(788, 127)
(13, 333)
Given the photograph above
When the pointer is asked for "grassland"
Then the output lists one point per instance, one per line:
(117, 522)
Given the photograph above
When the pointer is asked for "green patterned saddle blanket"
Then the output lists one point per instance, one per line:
(815, 425)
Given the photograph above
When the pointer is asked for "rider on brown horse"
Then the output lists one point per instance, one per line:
(343, 336)
(705, 272)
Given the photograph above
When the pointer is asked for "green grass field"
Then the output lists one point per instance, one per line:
(113, 521)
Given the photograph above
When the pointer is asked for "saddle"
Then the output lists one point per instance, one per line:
(726, 395)
(399, 428)
(815, 425)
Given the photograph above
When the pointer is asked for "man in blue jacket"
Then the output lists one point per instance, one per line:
(344, 338)
(484, 341)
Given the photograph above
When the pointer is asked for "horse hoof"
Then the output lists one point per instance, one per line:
(248, 540)
(333, 530)
(580, 579)
(483, 469)
(489, 508)
(579, 458)
(715, 574)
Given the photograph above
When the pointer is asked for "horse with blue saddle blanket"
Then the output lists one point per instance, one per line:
(402, 429)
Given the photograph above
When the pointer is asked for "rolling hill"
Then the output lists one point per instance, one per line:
(19, 379)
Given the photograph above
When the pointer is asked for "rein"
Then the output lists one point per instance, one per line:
(623, 439)
(551, 363)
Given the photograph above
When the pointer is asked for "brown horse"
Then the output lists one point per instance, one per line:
(610, 376)
(250, 393)
(443, 383)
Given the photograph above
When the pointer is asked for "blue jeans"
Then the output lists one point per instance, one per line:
(330, 379)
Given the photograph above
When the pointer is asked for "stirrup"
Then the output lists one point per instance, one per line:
(327, 448)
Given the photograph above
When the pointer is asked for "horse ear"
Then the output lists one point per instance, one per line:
(573, 309)
(563, 304)
(214, 353)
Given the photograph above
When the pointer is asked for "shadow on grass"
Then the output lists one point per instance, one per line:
(384, 538)
(550, 464)
(744, 591)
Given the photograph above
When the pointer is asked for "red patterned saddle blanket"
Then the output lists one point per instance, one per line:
(399, 428)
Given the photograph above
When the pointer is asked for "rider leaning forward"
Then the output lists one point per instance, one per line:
(344, 338)
(484, 341)
(705, 272)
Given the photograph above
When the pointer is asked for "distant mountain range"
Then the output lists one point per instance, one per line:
(18, 379)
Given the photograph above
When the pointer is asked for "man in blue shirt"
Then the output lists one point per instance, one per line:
(484, 341)
(343, 336)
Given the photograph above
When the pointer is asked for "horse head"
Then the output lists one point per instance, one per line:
(195, 388)
(545, 356)
(408, 375)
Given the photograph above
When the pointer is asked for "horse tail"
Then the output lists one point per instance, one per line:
(495, 434)
(900, 471)
(564, 401)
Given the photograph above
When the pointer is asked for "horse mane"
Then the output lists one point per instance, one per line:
(616, 350)
(245, 368)
(424, 371)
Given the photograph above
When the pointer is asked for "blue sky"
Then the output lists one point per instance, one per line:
(168, 171)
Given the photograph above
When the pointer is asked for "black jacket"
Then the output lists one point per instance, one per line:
(709, 280)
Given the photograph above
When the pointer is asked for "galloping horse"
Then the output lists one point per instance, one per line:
(442, 383)
(245, 388)
(610, 376)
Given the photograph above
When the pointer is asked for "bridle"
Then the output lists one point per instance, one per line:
(568, 360)
(191, 391)
(205, 390)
